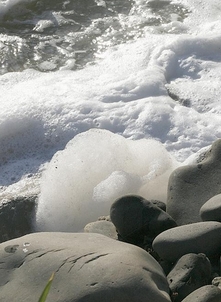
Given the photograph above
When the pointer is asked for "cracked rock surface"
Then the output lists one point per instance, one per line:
(88, 268)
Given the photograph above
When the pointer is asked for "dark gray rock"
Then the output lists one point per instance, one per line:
(16, 216)
(135, 217)
(207, 293)
(191, 186)
(200, 237)
(88, 268)
(189, 273)
(159, 204)
(165, 264)
(211, 210)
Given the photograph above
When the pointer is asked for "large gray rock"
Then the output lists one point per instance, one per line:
(88, 268)
(207, 293)
(191, 272)
(192, 185)
(200, 237)
(211, 210)
(135, 217)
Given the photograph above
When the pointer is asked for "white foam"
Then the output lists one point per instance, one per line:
(125, 92)
(96, 167)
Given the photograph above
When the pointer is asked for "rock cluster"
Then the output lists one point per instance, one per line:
(189, 254)
(156, 252)
(186, 238)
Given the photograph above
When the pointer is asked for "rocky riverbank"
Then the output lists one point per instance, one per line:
(147, 250)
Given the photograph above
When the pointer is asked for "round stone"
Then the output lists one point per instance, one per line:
(207, 293)
(88, 267)
(200, 237)
(134, 216)
(104, 227)
(191, 272)
(211, 210)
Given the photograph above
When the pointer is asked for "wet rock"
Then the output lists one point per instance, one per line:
(192, 185)
(135, 217)
(211, 210)
(200, 237)
(189, 273)
(88, 268)
(16, 216)
(207, 293)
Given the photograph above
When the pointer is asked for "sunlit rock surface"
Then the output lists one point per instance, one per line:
(192, 185)
(88, 267)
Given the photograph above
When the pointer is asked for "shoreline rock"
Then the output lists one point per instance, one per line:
(207, 293)
(88, 268)
(91, 266)
(211, 210)
(199, 237)
(191, 186)
(139, 221)
(191, 272)
(16, 217)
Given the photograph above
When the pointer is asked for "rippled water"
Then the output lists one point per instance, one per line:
(50, 35)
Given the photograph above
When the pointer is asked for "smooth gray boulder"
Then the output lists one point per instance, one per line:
(211, 210)
(191, 186)
(191, 272)
(200, 237)
(88, 268)
(136, 218)
(207, 293)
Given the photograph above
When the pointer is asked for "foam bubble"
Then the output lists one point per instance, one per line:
(96, 167)
(164, 86)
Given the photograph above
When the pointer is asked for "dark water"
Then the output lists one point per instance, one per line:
(49, 35)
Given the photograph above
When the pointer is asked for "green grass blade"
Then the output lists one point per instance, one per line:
(46, 289)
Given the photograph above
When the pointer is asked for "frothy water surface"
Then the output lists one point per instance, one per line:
(145, 74)
(51, 35)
